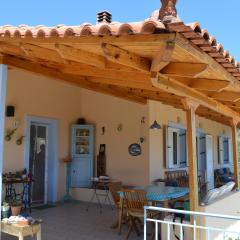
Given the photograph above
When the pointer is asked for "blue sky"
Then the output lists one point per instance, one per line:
(221, 18)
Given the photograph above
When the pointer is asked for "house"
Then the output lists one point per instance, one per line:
(121, 78)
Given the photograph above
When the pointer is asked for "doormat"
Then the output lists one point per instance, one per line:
(45, 206)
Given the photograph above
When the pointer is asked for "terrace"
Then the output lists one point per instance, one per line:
(121, 78)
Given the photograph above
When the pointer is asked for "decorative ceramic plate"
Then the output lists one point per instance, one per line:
(135, 149)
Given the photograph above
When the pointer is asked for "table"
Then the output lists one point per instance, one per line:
(100, 189)
(156, 194)
(21, 231)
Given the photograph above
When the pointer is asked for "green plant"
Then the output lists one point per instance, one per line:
(15, 202)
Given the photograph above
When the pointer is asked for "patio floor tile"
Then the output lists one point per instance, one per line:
(71, 221)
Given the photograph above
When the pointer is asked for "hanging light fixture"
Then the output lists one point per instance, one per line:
(155, 124)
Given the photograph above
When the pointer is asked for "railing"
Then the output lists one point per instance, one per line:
(197, 228)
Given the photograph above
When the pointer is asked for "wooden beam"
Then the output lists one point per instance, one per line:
(78, 55)
(170, 85)
(121, 56)
(83, 82)
(234, 124)
(123, 83)
(162, 59)
(123, 40)
(42, 53)
(207, 84)
(184, 69)
(84, 70)
(226, 96)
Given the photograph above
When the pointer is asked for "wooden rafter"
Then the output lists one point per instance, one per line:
(73, 79)
(121, 56)
(78, 55)
(184, 69)
(38, 52)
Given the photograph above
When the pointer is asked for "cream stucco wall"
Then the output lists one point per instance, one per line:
(166, 114)
(109, 112)
(39, 96)
(34, 95)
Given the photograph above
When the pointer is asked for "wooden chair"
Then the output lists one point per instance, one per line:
(114, 188)
(135, 201)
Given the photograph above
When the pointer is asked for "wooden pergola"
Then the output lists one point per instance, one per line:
(166, 61)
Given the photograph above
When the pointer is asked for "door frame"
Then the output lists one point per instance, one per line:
(52, 135)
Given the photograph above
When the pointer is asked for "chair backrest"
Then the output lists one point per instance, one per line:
(114, 188)
(135, 199)
(180, 177)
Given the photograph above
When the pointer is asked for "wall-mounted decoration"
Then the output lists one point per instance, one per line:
(103, 130)
(9, 134)
(178, 119)
(135, 149)
(101, 161)
(10, 111)
(120, 127)
(19, 141)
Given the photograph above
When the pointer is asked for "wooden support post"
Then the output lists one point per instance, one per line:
(191, 107)
(3, 86)
(235, 151)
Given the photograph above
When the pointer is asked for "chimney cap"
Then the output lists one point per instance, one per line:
(104, 16)
(168, 11)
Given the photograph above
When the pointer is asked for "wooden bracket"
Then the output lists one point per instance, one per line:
(189, 103)
(234, 122)
(162, 59)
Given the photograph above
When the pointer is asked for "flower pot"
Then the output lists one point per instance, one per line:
(5, 211)
(16, 210)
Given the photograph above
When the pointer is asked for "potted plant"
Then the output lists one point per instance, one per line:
(5, 210)
(16, 207)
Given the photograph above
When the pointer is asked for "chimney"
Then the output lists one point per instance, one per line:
(168, 11)
(104, 17)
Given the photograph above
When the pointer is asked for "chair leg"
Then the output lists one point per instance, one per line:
(135, 226)
(129, 229)
(120, 218)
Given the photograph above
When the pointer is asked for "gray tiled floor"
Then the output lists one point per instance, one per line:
(73, 222)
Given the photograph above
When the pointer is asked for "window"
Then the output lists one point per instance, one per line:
(176, 150)
(224, 150)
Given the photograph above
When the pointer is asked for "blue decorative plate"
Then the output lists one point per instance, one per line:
(135, 149)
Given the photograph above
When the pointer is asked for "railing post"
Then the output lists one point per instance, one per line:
(145, 223)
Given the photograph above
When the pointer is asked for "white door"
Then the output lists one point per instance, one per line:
(209, 162)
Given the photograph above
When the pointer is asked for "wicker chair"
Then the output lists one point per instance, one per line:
(135, 202)
(114, 188)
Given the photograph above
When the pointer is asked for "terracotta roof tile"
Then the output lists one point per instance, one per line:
(193, 32)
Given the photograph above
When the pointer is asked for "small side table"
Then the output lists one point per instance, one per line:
(21, 231)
